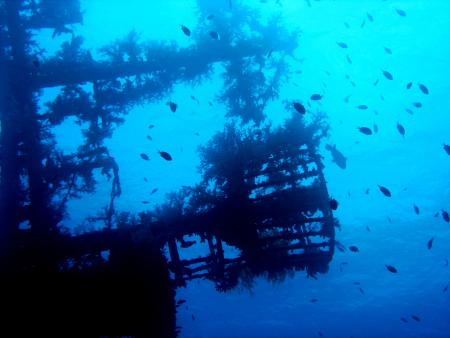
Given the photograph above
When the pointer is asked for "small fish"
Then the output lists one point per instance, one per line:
(436, 214)
(214, 35)
(338, 157)
(145, 202)
(362, 107)
(197, 133)
(314, 300)
(424, 89)
(408, 85)
(445, 288)
(153, 191)
(151, 126)
(36, 63)
(363, 23)
(210, 17)
(165, 155)
(181, 301)
(342, 44)
(365, 130)
(403, 319)
(342, 265)
(416, 318)
(339, 246)
(409, 111)
(346, 25)
(376, 82)
(320, 334)
(446, 262)
(269, 53)
(348, 59)
(430, 243)
(361, 290)
(370, 17)
(385, 191)
(149, 138)
(316, 97)
(193, 317)
(445, 216)
(185, 30)
(367, 191)
(417, 104)
(389, 219)
(400, 12)
(367, 228)
(447, 148)
(145, 157)
(391, 269)
(353, 248)
(347, 98)
(416, 209)
(375, 128)
(388, 50)
(145, 179)
(195, 99)
(387, 75)
(173, 106)
(401, 129)
(333, 204)
(299, 108)
(61, 29)
(356, 283)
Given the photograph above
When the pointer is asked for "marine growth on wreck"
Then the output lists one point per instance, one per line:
(140, 166)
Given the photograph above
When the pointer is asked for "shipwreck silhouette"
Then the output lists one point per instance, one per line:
(262, 189)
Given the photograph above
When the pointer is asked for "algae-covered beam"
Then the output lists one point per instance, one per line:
(56, 72)
(19, 113)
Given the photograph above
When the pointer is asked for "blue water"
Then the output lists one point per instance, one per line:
(414, 167)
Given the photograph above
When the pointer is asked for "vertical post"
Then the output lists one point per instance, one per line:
(10, 178)
(23, 112)
(220, 257)
(212, 251)
(211, 247)
(9, 143)
(175, 260)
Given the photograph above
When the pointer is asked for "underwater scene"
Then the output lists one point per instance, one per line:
(224, 168)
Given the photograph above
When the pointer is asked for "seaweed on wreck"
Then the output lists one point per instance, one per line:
(263, 192)
(251, 196)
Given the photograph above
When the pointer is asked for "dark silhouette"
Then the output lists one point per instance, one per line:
(262, 188)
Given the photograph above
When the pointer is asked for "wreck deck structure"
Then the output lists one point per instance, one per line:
(263, 191)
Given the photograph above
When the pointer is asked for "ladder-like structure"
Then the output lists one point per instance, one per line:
(279, 217)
